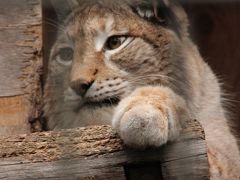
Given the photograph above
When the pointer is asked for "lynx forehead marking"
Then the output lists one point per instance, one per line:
(103, 35)
(109, 24)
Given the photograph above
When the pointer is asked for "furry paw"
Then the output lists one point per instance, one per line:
(141, 126)
(150, 116)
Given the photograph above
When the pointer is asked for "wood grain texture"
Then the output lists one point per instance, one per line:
(13, 115)
(98, 153)
(20, 64)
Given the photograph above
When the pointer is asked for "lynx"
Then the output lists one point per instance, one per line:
(131, 64)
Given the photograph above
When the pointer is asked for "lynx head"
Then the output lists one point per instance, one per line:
(105, 49)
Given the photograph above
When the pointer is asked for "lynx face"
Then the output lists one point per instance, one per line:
(107, 49)
(130, 63)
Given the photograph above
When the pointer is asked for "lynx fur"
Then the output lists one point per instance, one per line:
(131, 63)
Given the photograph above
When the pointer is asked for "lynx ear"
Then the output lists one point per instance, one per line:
(162, 12)
(63, 8)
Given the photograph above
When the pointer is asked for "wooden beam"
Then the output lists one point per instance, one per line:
(20, 67)
(98, 153)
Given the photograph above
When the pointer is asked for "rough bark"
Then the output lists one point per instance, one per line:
(98, 153)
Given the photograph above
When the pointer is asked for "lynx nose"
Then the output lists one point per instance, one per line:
(81, 86)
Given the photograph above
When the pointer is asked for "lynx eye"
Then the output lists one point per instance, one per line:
(114, 42)
(65, 55)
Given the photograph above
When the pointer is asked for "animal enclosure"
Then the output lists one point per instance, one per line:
(95, 152)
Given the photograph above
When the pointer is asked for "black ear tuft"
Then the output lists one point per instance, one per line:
(158, 12)
(63, 8)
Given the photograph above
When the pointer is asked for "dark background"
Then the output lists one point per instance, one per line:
(214, 27)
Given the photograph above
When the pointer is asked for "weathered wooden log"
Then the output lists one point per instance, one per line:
(98, 153)
(20, 64)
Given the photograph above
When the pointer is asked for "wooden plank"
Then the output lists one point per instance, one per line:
(20, 64)
(12, 114)
(195, 168)
(97, 152)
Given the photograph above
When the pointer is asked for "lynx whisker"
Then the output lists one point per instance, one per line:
(54, 24)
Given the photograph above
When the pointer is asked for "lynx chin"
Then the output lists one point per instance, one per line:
(131, 64)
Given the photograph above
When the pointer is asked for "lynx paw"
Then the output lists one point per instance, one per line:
(141, 126)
